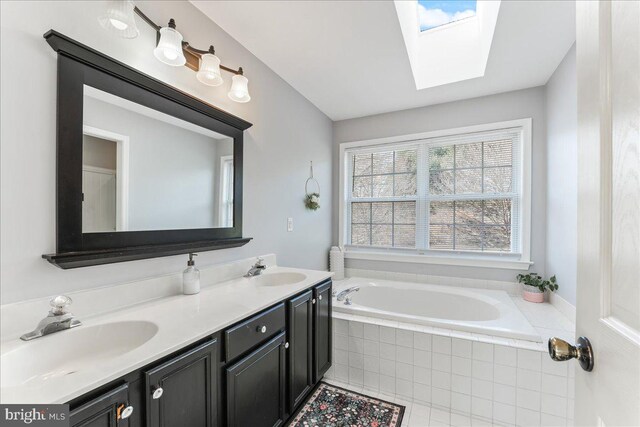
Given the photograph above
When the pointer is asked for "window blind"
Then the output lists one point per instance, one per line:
(459, 193)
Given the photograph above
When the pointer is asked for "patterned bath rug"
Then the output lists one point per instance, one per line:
(332, 406)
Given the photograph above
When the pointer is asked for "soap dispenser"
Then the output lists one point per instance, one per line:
(191, 277)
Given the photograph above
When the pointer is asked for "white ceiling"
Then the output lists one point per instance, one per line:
(349, 58)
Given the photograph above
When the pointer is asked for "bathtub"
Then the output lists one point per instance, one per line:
(481, 311)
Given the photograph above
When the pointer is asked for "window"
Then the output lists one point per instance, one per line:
(226, 191)
(384, 195)
(450, 195)
(436, 13)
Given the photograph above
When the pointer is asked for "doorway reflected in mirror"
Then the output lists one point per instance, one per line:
(146, 170)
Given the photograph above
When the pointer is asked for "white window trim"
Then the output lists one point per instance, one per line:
(523, 262)
(225, 208)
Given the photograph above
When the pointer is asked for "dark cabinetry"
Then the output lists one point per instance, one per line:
(309, 339)
(183, 391)
(110, 409)
(251, 332)
(256, 387)
(322, 330)
(271, 362)
(300, 338)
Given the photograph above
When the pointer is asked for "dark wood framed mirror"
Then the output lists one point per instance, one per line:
(143, 169)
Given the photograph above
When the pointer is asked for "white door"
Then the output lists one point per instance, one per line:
(608, 298)
(99, 200)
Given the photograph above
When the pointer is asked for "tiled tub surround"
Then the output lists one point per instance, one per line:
(472, 376)
(226, 297)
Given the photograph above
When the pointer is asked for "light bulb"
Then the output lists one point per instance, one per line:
(169, 49)
(239, 89)
(209, 71)
(170, 54)
(118, 24)
(119, 19)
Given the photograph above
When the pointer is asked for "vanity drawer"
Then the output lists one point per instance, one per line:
(254, 331)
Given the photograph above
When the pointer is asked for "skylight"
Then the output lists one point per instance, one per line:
(450, 48)
(435, 13)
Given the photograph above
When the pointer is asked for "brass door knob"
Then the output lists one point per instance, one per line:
(560, 350)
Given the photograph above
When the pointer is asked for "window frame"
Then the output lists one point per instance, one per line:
(433, 256)
(225, 202)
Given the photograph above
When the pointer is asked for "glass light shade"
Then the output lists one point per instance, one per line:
(169, 49)
(209, 72)
(239, 89)
(119, 19)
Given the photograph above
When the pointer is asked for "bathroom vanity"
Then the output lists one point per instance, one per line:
(256, 372)
(245, 351)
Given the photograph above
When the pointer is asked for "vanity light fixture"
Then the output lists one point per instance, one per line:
(239, 88)
(172, 50)
(169, 48)
(119, 19)
(209, 71)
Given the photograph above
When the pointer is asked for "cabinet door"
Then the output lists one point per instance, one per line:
(183, 391)
(300, 352)
(322, 330)
(107, 410)
(256, 386)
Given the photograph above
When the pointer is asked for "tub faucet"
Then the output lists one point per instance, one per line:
(57, 320)
(344, 295)
(256, 269)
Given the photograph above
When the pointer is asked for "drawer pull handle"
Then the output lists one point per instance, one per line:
(157, 392)
(286, 345)
(126, 412)
(262, 329)
(320, 297)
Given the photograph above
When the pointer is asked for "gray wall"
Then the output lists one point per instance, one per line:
(495, 108)
(562, 176)
(288, 132)
(98, 152)
(172, 170)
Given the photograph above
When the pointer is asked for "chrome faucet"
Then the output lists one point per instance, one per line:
(256, 269)
(344, 295)
(57, 320)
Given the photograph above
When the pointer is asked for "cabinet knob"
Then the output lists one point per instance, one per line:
(157, 392)
(320, 297)
(262, 329)
(126, 412)
(286, 345)
(313, 301)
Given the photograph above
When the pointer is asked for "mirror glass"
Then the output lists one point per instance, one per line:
(146, 170)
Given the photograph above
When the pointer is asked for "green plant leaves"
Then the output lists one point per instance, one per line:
(536, 280)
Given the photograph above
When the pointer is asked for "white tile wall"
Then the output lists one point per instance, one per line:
(461, 378)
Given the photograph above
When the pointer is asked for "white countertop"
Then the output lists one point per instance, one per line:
(181, 320)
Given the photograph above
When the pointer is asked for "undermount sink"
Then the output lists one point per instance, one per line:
(70, 351)
(277, 279)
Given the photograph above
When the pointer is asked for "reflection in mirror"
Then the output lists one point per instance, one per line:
(146, 170)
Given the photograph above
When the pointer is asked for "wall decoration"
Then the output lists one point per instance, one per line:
(312, 199)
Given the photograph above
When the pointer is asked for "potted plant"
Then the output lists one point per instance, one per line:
(312, 201)
(535, 285)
